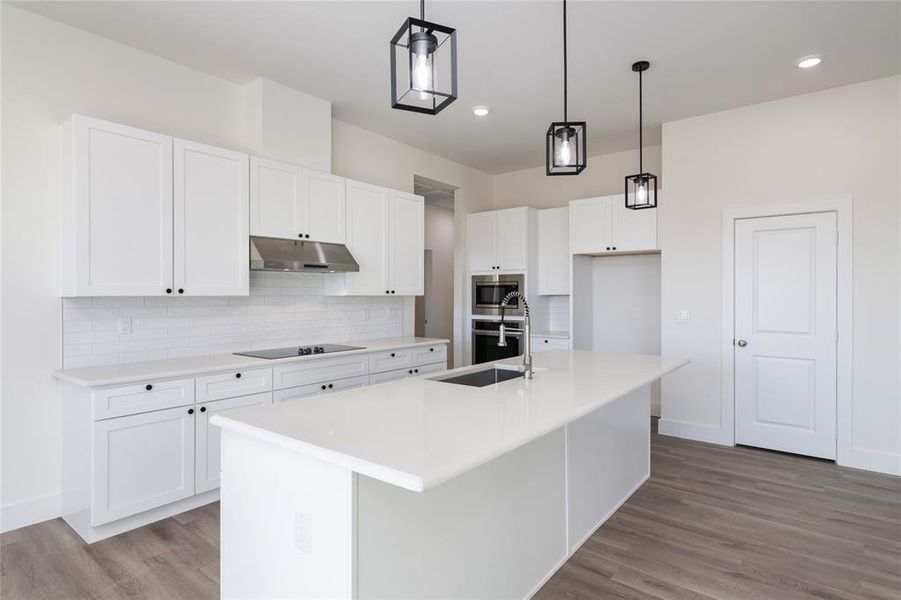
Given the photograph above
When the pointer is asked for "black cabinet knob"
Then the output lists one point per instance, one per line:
(393, 291)
(416, 370)
(323, 386)
(181, 291)
(608, 247)
(387, 291)
(431, 349)
(410, 371)
(545, 341)
(148, 387)
(330, 386)
(237, 376)
(168, 290)
(190, 411)
(614, 247)
(203, 409)
(392, 355)
(307, 236)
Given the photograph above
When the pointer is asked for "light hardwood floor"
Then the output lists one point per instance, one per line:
(712, 522)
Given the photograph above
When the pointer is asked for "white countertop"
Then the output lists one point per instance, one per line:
(187, 367)
(417, 433)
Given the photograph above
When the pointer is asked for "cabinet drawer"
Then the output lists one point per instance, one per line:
(430, 354)
(432, 368)
(233, 383)
(390, 360)
(141, 398)
(544, 344)
(319, 370)
(389, 376)
(323, 387)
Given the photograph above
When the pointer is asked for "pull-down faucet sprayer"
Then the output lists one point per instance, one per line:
(527, 331)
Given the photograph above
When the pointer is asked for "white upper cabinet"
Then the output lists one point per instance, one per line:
(406, 243)
(385, 230)
(481, 238)
(292, 202)
(553, 251)
(117, 210)
(498, 240)
(275, 207)
(323, 206)
(601, 225)
(210, 221)
(146, 215)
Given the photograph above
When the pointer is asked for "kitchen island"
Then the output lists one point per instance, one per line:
(425, 488)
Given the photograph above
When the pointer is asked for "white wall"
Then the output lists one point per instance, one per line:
(49, 71)
(439, 302)
(832, 144)
(603, 176)
(626, 305)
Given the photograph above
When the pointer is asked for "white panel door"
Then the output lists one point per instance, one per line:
(367, 238)
(512, 234)
(785, 332)
(633, 230)
(211, 199)
(141, 462)
(275, 199)
(406, 244)
(481, 241)
(122, 212)
(591, 225)
(323, 213)
(207, 438)
(554, 259)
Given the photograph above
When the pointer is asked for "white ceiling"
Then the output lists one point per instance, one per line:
(705, 57)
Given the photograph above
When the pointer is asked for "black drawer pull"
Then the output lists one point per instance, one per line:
(330, 386)
(190, 411)
(237, 376)
(148, 387)
(431, 349)
(203, 409)
(392, 355)
(323, 386)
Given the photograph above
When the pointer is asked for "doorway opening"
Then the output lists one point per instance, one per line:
(434, 310)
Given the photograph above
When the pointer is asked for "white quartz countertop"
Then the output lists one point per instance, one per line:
(417, 433)
(187, 367)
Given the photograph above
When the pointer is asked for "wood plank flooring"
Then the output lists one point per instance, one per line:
(712, 522)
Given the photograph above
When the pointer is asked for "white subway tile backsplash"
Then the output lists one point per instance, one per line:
(283, 309)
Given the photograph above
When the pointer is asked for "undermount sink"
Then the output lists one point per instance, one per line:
(488, 376)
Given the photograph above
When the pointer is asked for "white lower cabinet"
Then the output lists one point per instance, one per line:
(141, 462)
(323, 387)
(545, 344)
(408, 372)
(206, 438)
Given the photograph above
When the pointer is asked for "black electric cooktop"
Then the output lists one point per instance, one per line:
(272, 353)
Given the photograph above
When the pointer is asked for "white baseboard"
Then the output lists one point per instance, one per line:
(29, 512)
(870, 460)
(695, 431)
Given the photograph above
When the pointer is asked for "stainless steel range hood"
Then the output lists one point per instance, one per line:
(273, 254)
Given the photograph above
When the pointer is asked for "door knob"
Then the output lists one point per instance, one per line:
(742, 343)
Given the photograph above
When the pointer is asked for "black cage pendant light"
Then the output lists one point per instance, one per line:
(423, 65)
(565, 150)
(641, 189)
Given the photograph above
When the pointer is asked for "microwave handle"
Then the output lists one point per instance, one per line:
(494, 332)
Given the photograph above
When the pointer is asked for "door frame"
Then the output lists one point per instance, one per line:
(843, 209)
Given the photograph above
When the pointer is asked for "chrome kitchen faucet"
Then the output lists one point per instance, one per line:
(527, 331)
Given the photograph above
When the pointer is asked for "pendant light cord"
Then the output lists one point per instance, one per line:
(422, 9)
(565, 82)
(640, 126)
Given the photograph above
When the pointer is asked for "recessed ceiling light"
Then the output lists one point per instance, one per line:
(481, 110)
(810, 61)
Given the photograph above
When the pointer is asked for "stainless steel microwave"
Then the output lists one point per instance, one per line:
(489, 290)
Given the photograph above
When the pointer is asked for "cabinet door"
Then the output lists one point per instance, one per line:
(591, 225)
(553, 251)
(207, 463)
(634, 230)
(141, 462)
(212, 253)
(117, 210)
(406, 244)
(481, 239)
(323, 212)
(367, 238)
(275, 199)
(512, 233)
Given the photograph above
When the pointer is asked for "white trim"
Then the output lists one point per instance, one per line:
(699, 432)
(843, 207)
(29, 512)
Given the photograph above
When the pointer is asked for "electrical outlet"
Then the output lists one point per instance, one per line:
(682, 316)
(125, 325)
(636, 312)
(303, 529)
